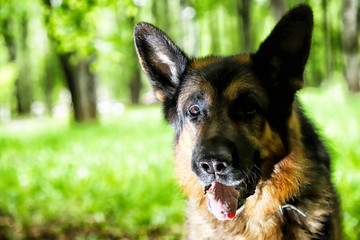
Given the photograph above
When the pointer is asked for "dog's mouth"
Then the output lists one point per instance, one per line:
(226, 202)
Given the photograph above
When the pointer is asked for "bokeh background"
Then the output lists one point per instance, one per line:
(84, 151)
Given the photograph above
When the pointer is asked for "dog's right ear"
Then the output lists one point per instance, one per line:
(162, 61)
(281, 58)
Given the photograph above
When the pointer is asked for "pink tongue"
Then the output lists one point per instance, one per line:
(223, 201)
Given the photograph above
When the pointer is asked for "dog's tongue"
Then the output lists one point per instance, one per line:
(223, 201)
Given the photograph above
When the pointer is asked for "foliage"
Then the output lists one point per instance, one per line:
(103, 28)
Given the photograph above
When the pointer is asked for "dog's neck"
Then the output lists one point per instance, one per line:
(285, 181)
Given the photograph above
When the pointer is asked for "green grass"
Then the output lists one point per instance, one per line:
(114, 180)
(99, 181)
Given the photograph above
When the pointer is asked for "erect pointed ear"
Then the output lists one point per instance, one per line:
(284, 53)
(162, 61)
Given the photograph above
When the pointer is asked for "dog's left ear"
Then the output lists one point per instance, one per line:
(162, 61)
(284, 53)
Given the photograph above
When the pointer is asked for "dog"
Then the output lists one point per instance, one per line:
(247, 158)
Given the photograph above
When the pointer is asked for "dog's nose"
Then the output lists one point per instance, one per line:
(213, 166)
(215, 156)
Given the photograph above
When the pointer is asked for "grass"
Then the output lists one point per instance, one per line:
(114, 180)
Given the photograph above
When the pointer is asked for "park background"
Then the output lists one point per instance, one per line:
(84, 150)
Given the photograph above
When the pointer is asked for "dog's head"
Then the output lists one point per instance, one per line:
(230, 114)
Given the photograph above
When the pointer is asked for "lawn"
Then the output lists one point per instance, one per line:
(114, 179)
(99, 181)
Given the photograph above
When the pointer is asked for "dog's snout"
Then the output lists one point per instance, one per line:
(213, 166)
(215, 161)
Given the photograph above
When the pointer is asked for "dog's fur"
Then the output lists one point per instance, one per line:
(238, 123)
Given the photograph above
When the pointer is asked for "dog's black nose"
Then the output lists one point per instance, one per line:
(213, 166)
(216, 155)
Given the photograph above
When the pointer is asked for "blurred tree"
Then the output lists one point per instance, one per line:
(9, 38)
(81, 83)
(70, 27)
(334, 32)
(15, 32)
(89, 44)
(350, 40)
(135, 79)
(49, 77)
(279, 8)
(327, 59)
(23, 83)
(243, 10)
(127, 21)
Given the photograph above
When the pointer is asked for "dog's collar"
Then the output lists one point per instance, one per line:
(292, 207)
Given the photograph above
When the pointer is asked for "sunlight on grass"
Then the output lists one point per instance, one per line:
(115, 179)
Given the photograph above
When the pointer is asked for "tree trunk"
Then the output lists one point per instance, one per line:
(81, 83)
(167, 17)
(328, 68)
(243, 9)
(278, 7)
(350, 44)
(135, 86)
(52, 62)
(23, 86)
(9, 39)
(18, 54)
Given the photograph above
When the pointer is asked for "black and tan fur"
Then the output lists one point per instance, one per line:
(243, 111)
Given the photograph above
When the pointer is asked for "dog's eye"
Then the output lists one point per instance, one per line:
(194, 110)
(248, 110)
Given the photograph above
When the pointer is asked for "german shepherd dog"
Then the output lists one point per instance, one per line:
(248, 160)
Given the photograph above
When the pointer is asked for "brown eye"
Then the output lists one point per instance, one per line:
(194, 110)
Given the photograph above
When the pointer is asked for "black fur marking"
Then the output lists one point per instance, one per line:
(315, 148)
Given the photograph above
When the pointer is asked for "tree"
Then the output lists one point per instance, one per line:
(15, 32)
(81, 83)
(243, 9)
(328, 67)
(75, 50)
(350, 43)
(278, 7)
